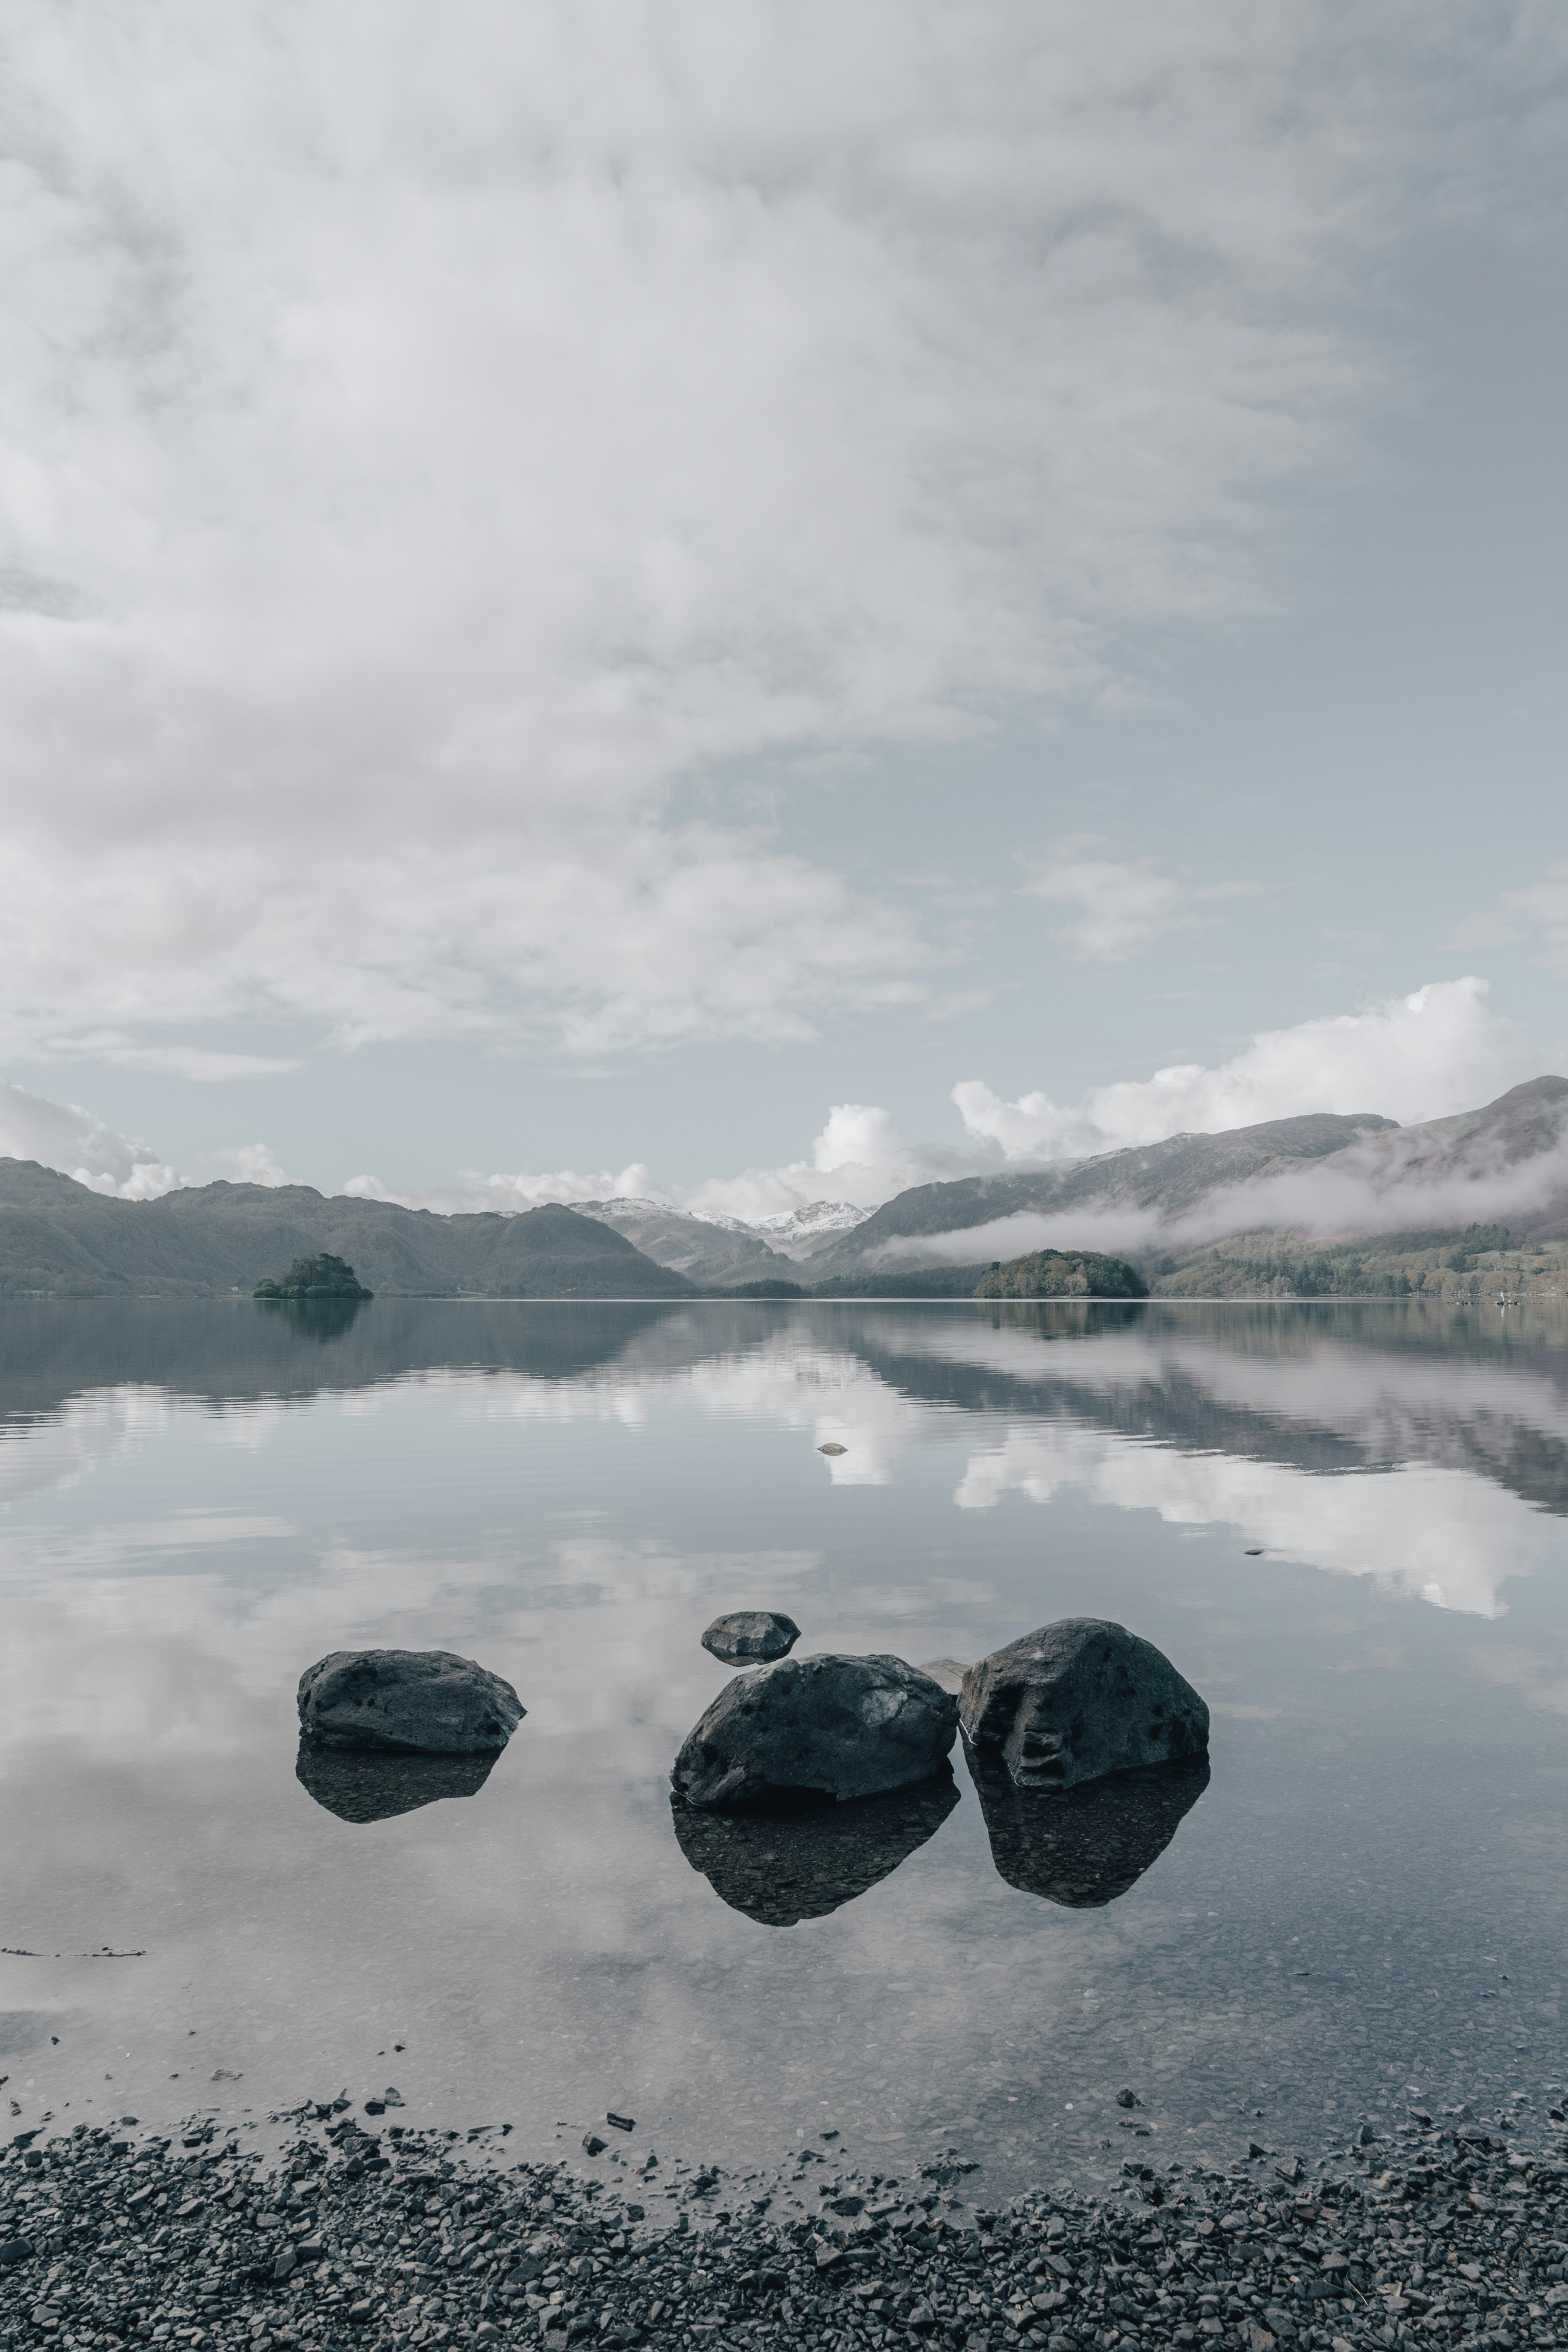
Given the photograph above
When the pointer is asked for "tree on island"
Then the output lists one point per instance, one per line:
(314, 1277)
(1063, 1274)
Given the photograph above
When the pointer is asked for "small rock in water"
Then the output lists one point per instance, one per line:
(1128, 2099)
(746, 1635)
(1367, 2136)
(621, 2123)
(807, 1729)
(427, 1701)
(1079, 1699)
(832, 1446)
(592, 2145)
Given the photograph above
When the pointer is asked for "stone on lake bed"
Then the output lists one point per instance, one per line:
(419, 1702)
(1079, 1699)
(813, 1729)
(746, 1635)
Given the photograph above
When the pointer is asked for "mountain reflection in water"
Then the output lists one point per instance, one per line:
(365, 1784)
(782, 1867)
(1085, 1846)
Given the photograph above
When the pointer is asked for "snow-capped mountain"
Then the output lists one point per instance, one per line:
(800, 1233)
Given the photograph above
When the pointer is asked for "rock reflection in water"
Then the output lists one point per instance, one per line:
(1087, 1845)
(366, 1784)
(782, 1867)
(311, 1319)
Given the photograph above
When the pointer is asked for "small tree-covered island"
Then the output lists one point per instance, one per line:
(1063, 1274)
(314, 1277)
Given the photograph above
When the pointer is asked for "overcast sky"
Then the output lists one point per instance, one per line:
(586, 584)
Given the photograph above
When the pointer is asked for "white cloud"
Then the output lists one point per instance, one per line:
(1123, 907)
(252, 1164)
(471, 1191)
(1425, 1055)
(859, 1157)
(431, 434)
(64, 1136)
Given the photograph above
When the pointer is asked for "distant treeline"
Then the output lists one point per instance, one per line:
(1479, 1262)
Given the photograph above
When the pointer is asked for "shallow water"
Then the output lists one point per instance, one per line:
(1345, 1523)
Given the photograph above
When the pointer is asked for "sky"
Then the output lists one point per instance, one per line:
(754, 604)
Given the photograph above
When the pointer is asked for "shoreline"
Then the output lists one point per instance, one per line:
(364, 2233)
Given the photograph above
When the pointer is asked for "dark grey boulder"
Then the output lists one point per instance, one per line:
(424, 1702)
(746, 1635)
(782, 1867)
(830, 1727)
(1079, 1699)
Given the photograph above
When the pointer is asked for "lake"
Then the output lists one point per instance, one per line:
(1346, 1522)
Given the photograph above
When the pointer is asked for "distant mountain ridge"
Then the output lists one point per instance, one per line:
(56, 1235)
(703, 1247)
(1319, 1174)
(1171, 1206)
(1169, 1177)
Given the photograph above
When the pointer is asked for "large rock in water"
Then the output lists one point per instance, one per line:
(781, 1868)
(746, 1635)
(424, 1702)
(816, 1729)
(1079, 1699)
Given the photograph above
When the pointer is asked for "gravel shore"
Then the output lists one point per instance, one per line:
(367, 2235)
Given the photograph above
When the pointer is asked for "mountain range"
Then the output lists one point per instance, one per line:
(1358, 1199)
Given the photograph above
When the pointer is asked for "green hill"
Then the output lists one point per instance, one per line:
(57, 1237)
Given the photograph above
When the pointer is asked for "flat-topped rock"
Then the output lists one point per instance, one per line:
(1079, 1699)
(816, 1729)
(748, 1635)
(424, 1702)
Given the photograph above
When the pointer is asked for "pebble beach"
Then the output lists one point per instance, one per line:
(1450, 2230)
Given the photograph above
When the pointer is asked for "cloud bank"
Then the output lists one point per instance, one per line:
(1436, 1052)
(1425, 1055)
(431, 438)
(64, 1136)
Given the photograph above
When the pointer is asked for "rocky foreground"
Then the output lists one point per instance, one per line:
(379, 2238)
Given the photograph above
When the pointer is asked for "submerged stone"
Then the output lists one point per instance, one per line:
(782, 1867)
(428, 1702)
(1079, 1699)
(747, 1635)
(828, 1727)
(1085, 1846)
(372, 1784)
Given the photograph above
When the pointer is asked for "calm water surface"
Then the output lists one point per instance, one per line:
(1345, 1523)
